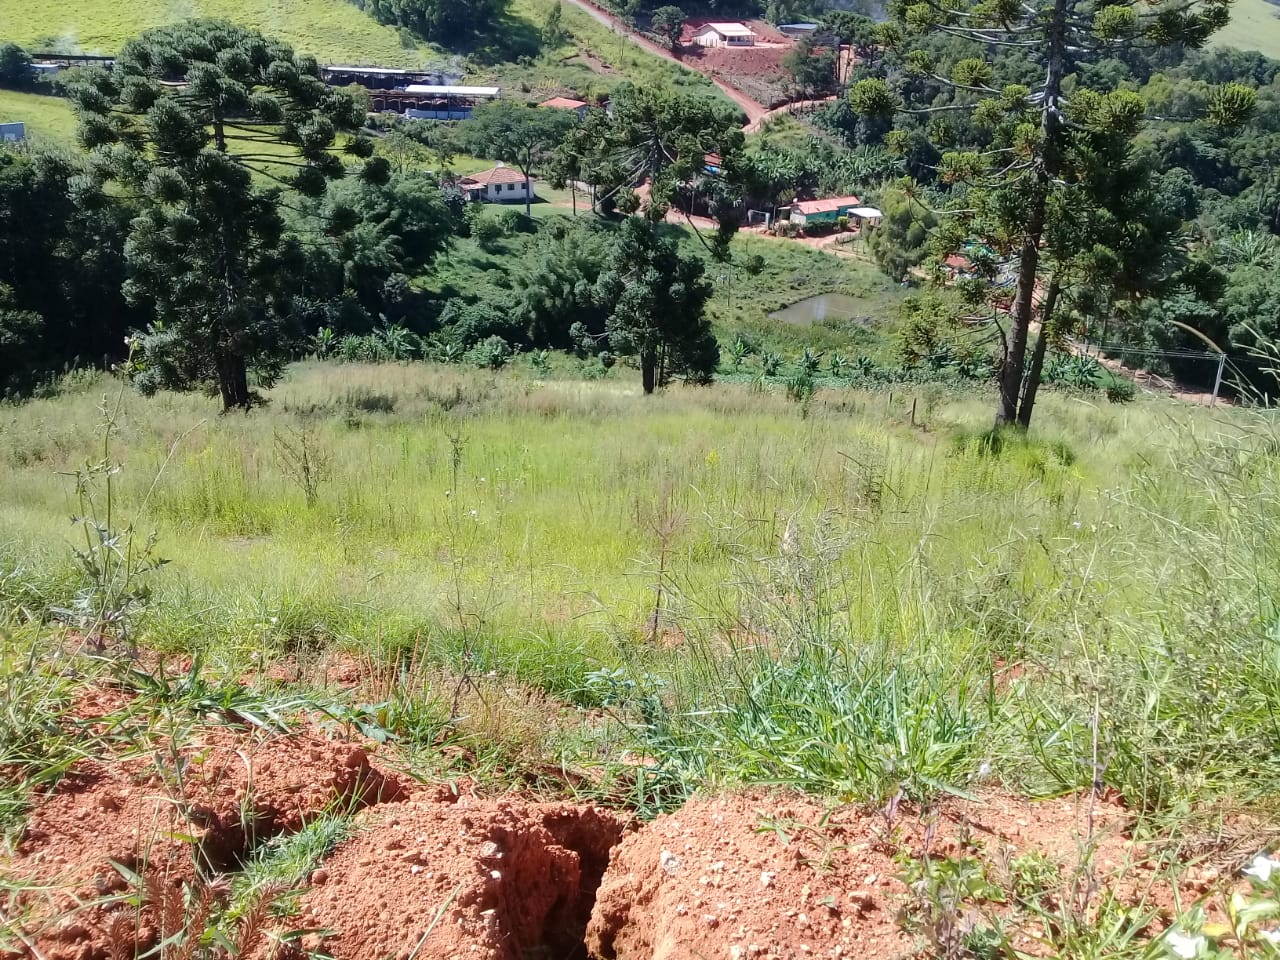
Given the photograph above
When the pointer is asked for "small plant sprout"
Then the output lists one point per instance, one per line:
(303, 459)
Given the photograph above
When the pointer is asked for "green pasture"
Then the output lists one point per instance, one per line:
(871, 591)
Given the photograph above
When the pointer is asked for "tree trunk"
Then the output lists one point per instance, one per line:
(1032, 384)
(1012, 372)
(233, 381)
(528, 193)
(649, 370)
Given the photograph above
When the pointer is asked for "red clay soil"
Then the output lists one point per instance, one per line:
(235, 791)
(493, 880)
(771, 876)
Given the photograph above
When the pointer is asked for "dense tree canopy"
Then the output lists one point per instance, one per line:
(1021, 145)
(657, 298)
(194, 119)
(446, 21)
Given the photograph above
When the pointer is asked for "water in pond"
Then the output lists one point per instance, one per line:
(828, 306)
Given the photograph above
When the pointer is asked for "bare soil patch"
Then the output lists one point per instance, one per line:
(781, 876)
(434, 873)
(495, 880)
(208, 802)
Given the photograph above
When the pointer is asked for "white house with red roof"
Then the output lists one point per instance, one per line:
(500, 185)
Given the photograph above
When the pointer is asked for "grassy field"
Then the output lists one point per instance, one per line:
(592, 59)
(49, 120)
(334, 31)
(869, 595)
(1254, 26)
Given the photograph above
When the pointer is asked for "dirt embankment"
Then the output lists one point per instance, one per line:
(428, 873)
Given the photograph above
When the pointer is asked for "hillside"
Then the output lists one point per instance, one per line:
(49, 120)
(1255, 25)
(592, 59)
(332, 30)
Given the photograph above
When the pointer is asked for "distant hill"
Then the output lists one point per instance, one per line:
(334, 31)
(1255, 25)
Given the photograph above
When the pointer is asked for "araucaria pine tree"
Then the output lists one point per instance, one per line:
(201, 125)
(1026, 196)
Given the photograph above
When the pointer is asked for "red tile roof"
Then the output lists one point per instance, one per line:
(496, 175)
(826, 206)
(563, 103)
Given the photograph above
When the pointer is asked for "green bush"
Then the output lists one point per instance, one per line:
(492, 352)
(487, 232)
(1121, 390)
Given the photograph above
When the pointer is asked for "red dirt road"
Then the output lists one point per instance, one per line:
(754, 111)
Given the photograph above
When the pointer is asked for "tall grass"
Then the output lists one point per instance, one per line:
(870, 599)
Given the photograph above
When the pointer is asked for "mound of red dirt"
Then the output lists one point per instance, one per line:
(768, 876)
(493, 880)
(158, 816)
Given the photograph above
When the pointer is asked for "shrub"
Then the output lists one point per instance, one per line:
(512, 222)
(487, 232)
(492, 352)
(1121, 390)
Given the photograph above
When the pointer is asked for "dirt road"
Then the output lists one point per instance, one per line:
(787, 108)
(754, 111)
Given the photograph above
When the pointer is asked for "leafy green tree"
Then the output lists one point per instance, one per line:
(445, 21)
(1038, 134)
(15, 66)
(668, 21)
(365, 240)
(193, 121)
(657, 298)
(519, 134)
(856, 31)
(556, 285)
(61, 260)
(812, 69)
(554, 33)
(901, 240)
(664, 137)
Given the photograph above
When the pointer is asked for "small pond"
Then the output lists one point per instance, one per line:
(828, 306)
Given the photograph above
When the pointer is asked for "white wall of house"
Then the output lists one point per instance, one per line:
(709, 36)
(501, 192)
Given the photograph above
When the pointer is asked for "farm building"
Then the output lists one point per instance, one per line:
(13, 132)
(810, 213)
(499, 185)
(724, 35)
(797, 31)
(566, 103)
(420, 101)
(375, 78)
